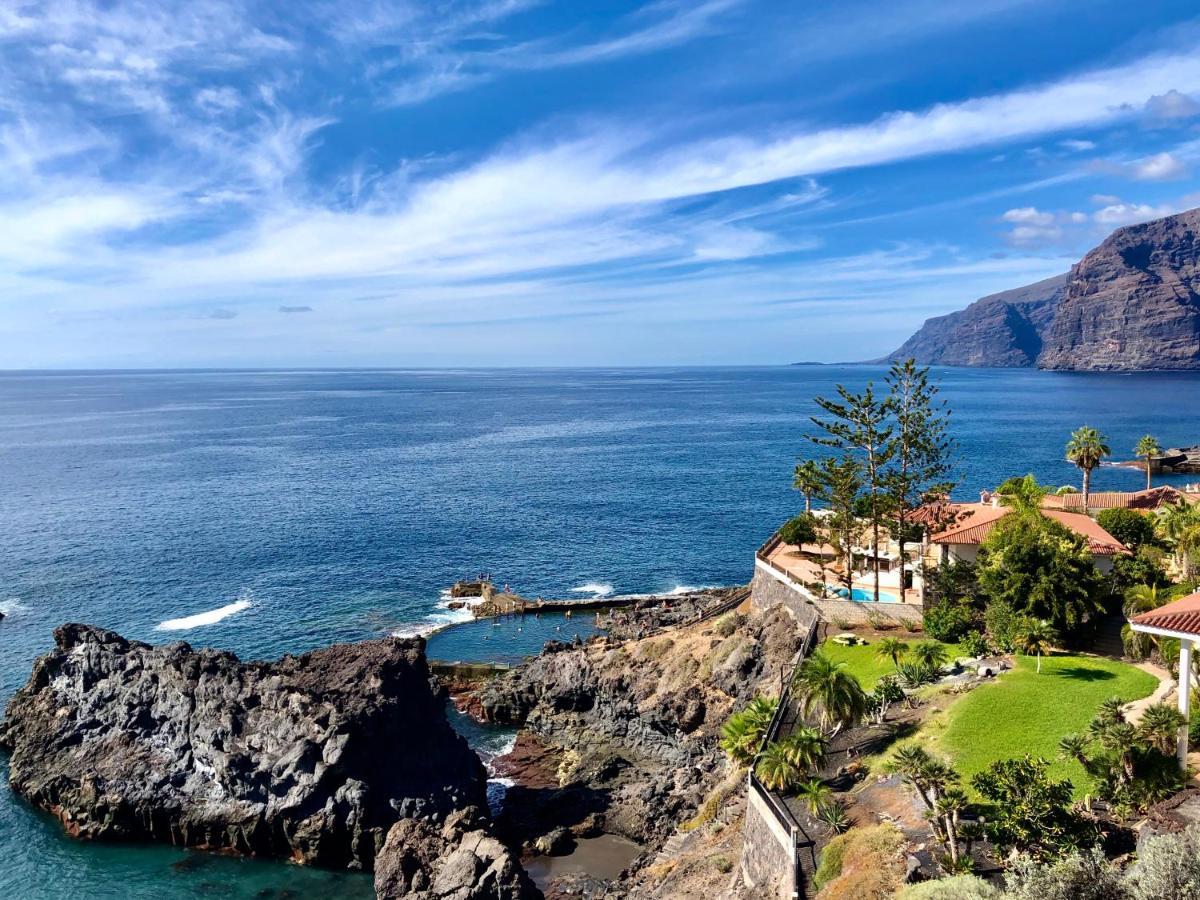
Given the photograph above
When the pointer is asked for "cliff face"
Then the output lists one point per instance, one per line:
(1132, 302)
(1002, 330)
(311, 758)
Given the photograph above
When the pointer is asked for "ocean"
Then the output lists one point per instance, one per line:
(273, 512)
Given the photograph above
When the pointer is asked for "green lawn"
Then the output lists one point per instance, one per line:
(1026, 712)
(863, 663)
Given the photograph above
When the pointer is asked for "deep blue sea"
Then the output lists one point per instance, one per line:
(280, 511)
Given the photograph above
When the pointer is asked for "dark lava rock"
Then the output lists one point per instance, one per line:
(312, 758)
(458, 860)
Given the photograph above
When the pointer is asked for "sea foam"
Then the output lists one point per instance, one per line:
(205, 618)
(595, 588)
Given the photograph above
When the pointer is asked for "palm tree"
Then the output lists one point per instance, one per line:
(1147, 448)
(910, 763)
(1160, 726)
(1038, 638)
(1179, 524)
(1086, 449)
(930, 654)
(805, 747)
(891, 648)
(1141, 598)
(807, 479)
(815, 792)
(743, 732)
(1023, 495)
(949, 808)
(831, 689)
(1074, 746)
(775, 768)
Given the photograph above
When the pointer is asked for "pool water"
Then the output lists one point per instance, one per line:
(860, 596)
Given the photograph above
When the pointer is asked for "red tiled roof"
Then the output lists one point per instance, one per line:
(1182, 615)
(1155, 498)
(978, 519)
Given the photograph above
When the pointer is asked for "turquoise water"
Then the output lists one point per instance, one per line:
(274, 512)
(861, 596)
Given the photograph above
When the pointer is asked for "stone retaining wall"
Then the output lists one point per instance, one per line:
(767, 855)
(770, 588)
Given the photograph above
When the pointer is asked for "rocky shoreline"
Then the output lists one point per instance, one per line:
(344, 758)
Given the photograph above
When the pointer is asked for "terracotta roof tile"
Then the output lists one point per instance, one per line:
(978, 519)
(1182, 615)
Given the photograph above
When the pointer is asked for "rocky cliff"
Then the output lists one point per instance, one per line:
(1001, 330)
(629, 730)
(312, 758)
(1133, 302)
(1130, 304)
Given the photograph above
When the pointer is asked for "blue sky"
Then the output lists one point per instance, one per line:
(525, 182)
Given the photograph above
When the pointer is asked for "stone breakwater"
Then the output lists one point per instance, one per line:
(313, 758)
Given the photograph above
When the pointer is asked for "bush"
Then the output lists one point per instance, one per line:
(949, 622)
(960, 887)
(722, 864)
(1004, 625)
(1031, 813)
(1076, 876)
(975, 644)
(800, 530)
(1133, 529)
(1168, 866)
(1144, 567)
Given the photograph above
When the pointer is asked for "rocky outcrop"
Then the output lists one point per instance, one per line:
(1000, 330)
(630, 729)
(1133, 302)
(459, 860)
(312, 758)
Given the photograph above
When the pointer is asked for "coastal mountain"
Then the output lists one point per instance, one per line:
(1132, 303)
(1002, 330)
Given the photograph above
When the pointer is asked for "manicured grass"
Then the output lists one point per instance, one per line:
(862, 662)
(1026, 712)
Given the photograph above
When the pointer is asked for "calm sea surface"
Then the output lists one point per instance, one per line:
(276, 512)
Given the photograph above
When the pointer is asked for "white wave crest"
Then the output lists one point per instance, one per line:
(205, 618)
(12, 606)
(595, 588)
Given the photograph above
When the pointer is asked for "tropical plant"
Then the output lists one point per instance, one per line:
(914, 674)
(807, 480)
(930, 654)
(1037, 638)
(835, 816)
(891, 648)
(1159, 727)
(949, 621)
(829, 688)
(1147, 448)
(742, 733)
(775, 768)
(1136, 644)
(1179, 525)
(1141, 598)
(1031, 812)
(1022, 494)
(949, 808)
(975, 643)
(1087, 449)
(805, 747)
(887, 691)
(815, 793)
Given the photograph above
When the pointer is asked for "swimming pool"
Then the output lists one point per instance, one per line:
(861, 596)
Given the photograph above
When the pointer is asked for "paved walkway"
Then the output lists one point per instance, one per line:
(1166, 687)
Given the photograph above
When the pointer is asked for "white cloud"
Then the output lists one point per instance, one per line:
(1119, 214)
(1029, 215)
(1172, 105)
(1160, 167)
(1077, 146)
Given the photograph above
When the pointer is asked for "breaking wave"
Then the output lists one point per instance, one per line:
(205, 618)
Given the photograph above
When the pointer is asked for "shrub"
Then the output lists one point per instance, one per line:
(727, 624)
(949, 622)
(1004, 625)
(1131, 528)
(1168, 866)
(722, 864)
(1031, 812)
(799, 530)
(1076, 876)
(915, 674)
(960, 887)
(975, 644)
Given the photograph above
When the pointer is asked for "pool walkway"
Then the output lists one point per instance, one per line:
(808, 571)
